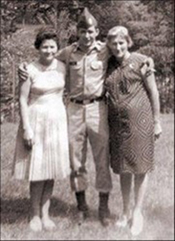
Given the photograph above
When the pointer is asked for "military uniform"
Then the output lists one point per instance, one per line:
(87, 110)
(87, 113)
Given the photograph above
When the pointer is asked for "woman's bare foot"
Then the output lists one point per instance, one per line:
(35, 224)
(48, 224)
(122, 221)
(137, 223)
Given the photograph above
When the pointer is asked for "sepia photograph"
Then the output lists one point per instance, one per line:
(87, 120)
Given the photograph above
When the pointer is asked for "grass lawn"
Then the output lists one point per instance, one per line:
(158, 205)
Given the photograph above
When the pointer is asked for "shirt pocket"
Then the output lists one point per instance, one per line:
(75, 70)
(96, 70)
(96, 65)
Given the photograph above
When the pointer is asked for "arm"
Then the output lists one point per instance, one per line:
(147, 67)
(61, 55)
(64, 56)
(151, 87)
(22, 72)
(23, 100)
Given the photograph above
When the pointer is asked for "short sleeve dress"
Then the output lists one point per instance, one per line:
(130, 117)
(49, 157)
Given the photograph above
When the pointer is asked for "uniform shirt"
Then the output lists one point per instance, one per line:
(86, 71)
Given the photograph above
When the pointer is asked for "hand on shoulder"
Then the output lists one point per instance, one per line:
(147, 67)
(22, 72)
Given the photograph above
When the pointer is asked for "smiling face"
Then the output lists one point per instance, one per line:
(47, 51)
(118, 46)
(87, 36)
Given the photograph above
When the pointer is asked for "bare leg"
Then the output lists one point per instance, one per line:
(125, 182)
(47, 193)
(36, 189)
(140, 184)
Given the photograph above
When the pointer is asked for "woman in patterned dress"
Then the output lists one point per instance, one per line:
(41, 153)
(133, 120)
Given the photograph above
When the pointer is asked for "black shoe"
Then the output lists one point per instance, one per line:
(103, 211)
(104, 217)
(83, 214)
(83, 210)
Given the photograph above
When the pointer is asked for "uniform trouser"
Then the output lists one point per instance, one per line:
(89, 122)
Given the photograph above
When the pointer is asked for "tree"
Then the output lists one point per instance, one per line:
(150, 24)
(163, 17)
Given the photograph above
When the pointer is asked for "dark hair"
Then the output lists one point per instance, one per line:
(46, 33)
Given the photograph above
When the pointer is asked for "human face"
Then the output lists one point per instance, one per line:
(47, 50)
(87, 36)
(119, 47)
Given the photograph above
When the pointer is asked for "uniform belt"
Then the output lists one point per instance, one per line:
(85, 102)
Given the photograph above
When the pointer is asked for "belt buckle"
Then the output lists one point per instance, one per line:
(85, 102)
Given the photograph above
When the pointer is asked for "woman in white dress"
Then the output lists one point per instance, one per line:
(41, 153)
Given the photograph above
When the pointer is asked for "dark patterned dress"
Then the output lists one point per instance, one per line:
(130, 117)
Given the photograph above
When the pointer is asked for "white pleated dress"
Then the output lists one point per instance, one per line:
(49, 157)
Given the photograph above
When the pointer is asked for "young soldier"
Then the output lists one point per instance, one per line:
(87, 112)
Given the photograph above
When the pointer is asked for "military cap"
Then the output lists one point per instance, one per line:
(86, 20)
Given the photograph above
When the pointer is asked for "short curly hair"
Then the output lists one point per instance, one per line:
(122, 31)
(46, 33)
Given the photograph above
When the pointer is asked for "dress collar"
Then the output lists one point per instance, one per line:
(52, 66)
(125, 62)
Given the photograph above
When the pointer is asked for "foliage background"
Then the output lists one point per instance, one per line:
(150, 23)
